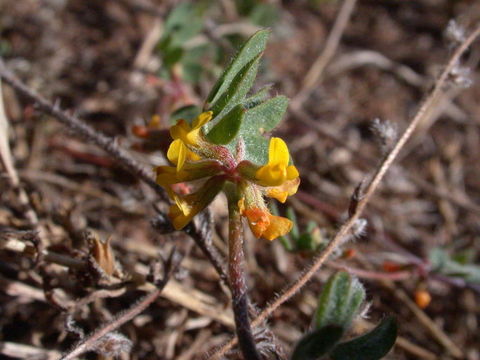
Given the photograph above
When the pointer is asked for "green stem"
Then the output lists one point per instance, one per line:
(236, 269)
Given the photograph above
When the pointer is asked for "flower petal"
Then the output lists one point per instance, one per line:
(177, 153)
(202, 119)
(178, 218)
(166, 175)
(258, 220)
(277, 170)
(292, 172)
(278, 152)
(180, 130)
(288, 188)
(271, 175)
(185, 208)
(279, 226)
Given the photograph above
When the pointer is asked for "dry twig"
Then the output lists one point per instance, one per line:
(199, 230)
(372, 186)
(91, 340)
(7, 161)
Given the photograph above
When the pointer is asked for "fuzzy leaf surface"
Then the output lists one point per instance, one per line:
(266, 116)
(226, 129)
(253, 48)
(373, 345)
(238, 89)
(340, 301)
(317, 343)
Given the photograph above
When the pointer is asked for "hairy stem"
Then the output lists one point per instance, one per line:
(236, 270)
(370, 189)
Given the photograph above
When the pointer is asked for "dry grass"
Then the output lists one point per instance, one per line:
(98, 60)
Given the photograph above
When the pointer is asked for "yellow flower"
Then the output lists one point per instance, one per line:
(265, 225)
(288, 188)
(182, 212)
(186, 207)
(168, 175)
(184, 136)
(277, 171)
(262, 223)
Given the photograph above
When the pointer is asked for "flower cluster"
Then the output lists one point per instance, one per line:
(196, 158)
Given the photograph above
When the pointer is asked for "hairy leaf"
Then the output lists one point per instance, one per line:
(252, 49)
(266, 116)
(257, 98)
(238, 88)
(372, 346)
(340, 301)
(444, 264)
(227, 127)
(317, 343)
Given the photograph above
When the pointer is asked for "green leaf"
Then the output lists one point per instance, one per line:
(340, 301)
(252, 49)
(227, 128)
(238, 88)
(256, 149)
(192, 72)
(184, 22)
(177, 16)
(306, 242)
(317, 343)
(372, 346)
(295, 232)
(261, 118)
(257, 98)
(442, 263)
(266, 116)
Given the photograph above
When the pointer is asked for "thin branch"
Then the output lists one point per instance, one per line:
(343, 232)
(89, 342)
(198, 230)
(83, 129)
(364, 161)
(22, 351)
(7, 160)
(432, 327)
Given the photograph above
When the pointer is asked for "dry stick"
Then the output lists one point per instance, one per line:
(199, 230)
(310, 271)
(427, 322)
(7, 160)
(316, 70)
(22, 351)
(83, 129)
(314, 75)
(460, 201)
(120, 155)
(91, 340)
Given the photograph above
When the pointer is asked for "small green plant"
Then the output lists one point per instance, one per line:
(339, 304)
(184, 22)
(307, 240)
(459, 265)
(225, 146)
